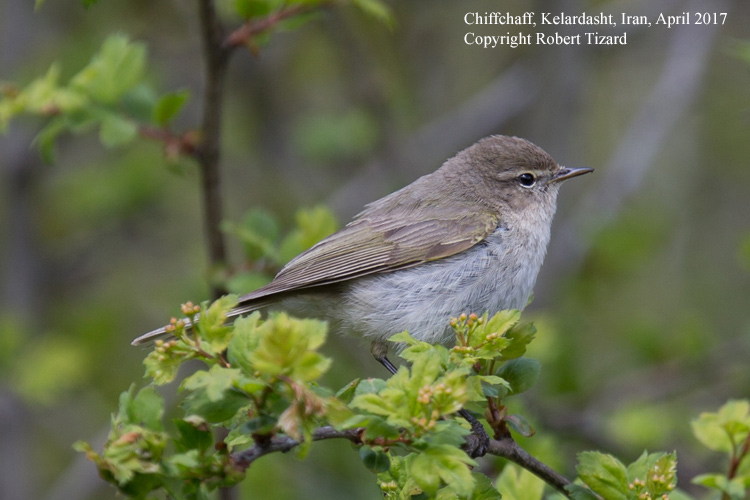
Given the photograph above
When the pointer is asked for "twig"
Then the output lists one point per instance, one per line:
(737, 458)
(245, 33)
(174, 144)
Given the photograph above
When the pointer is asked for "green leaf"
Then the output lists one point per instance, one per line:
(519, 424)
(45, 139)
(168, 106)
(423, 470)
(312, 226)
(443, 463)
(734, 488)
(520, 336)
(720, 430)
(375, 460)
(286, 346)
(519, 484)
(375, 427)
(494, 386)
(118, 67)
(117, 130)
(521, 374)
(484, 489)
(655, 473)
(258, 232)
(213, 395)
(163, 363)
(198, 403)
(404, 337)
(194, 434)
(245, 339)
(500, 323)
(212, 325)
(346, 393)
(214, 382)
(373, 403)
(370, 385)
(255, 8)
(244, 282)
(424, 370)
(377, 9)
(578, 492)
(144, 408)
(604, 474)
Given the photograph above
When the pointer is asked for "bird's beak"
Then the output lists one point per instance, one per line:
(567, 173)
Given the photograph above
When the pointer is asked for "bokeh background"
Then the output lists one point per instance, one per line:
(642, 305)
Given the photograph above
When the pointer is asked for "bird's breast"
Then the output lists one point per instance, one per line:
(497, 273)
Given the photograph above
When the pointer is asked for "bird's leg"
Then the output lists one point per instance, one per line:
(379, 350)
(476, 447)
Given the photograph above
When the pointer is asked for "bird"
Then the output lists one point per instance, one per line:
(468, 237)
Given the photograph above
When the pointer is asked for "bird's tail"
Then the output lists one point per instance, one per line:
(165, 331)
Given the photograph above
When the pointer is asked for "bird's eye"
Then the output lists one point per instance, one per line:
(527, 180)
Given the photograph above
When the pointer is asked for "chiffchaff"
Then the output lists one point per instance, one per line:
(469, 237)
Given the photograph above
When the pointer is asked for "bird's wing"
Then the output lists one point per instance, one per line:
(368, 245)
(389, 235)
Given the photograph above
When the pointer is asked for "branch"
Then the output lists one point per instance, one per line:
(207, 152)
(245, 458)
(245, 33)
(174, 144)
(505, 447)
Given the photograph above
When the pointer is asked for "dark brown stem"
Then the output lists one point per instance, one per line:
(245, 458)
(507, 448)
(207, 153)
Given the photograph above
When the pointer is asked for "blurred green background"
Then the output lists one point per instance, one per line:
(642, 304)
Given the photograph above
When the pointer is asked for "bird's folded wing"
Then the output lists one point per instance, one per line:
(368, 246)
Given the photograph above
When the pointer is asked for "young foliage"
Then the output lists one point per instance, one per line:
(650, 477)
(110, 93)
(266, 251)
(519, 484)
(261, 382)
(727, 431)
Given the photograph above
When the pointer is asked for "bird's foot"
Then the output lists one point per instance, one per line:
(478, 442)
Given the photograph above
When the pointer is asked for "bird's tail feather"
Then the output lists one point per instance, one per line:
(240, 310)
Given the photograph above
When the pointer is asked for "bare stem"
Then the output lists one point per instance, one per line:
(245, 458)
(208, 150)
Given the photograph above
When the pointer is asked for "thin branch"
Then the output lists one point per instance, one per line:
(504, 447)
(247, 31)
(208, 151)
(174, 144)
(283, 444)
(738, 458)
